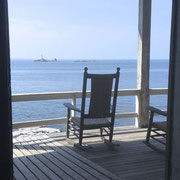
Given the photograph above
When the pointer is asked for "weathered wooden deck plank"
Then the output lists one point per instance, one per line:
(60, 161)
(53, 171)
(85, 164)
(23, 168)
(32, 155)
(131, 160)
(78, 167)
(40, 149)
(17, 173)
(32, 167)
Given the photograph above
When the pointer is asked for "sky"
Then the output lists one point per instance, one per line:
(85, 29)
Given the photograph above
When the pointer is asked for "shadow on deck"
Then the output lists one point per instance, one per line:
(51, 157)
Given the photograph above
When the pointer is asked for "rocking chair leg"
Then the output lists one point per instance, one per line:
(67, 133)
(80, 137)
(149, 127)
(101, 131)
(111, 135)
(67, 129)
(148, 134)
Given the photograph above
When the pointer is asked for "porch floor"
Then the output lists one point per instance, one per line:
(49, 156)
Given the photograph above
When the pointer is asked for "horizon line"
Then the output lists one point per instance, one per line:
(87, 59)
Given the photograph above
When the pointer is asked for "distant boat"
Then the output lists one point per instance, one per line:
(45, 60)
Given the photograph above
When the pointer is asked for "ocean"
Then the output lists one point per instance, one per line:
(28, 76)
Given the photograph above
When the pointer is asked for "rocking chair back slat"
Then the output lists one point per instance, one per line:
(100, 100)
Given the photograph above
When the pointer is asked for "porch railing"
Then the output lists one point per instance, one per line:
(73, 96)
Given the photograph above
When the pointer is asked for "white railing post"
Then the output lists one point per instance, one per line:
(144, 28)
(73, 103)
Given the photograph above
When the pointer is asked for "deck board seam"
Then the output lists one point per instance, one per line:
(131, 160)
(89, 163)
(27, 171)
(44, 167)
(44, 158)
(77, 164)
(26, 159)
(14, 165)
(61, 162)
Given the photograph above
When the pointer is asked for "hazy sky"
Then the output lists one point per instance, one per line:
(84, 29)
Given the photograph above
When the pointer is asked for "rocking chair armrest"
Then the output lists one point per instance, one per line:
(71, 107)
(155, 110)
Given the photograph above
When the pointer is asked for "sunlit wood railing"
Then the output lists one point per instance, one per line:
(73, 96)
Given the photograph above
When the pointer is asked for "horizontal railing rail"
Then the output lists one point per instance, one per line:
(63, 95)
(158, 91)
(73, 96)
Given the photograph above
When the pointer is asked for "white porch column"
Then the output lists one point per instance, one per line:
(144, 28)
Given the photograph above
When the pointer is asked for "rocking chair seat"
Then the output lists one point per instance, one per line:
(92, 123)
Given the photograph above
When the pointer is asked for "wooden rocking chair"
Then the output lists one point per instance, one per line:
(101, 114)
(159, 129)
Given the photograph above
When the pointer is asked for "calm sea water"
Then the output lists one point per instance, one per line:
(28, 76)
